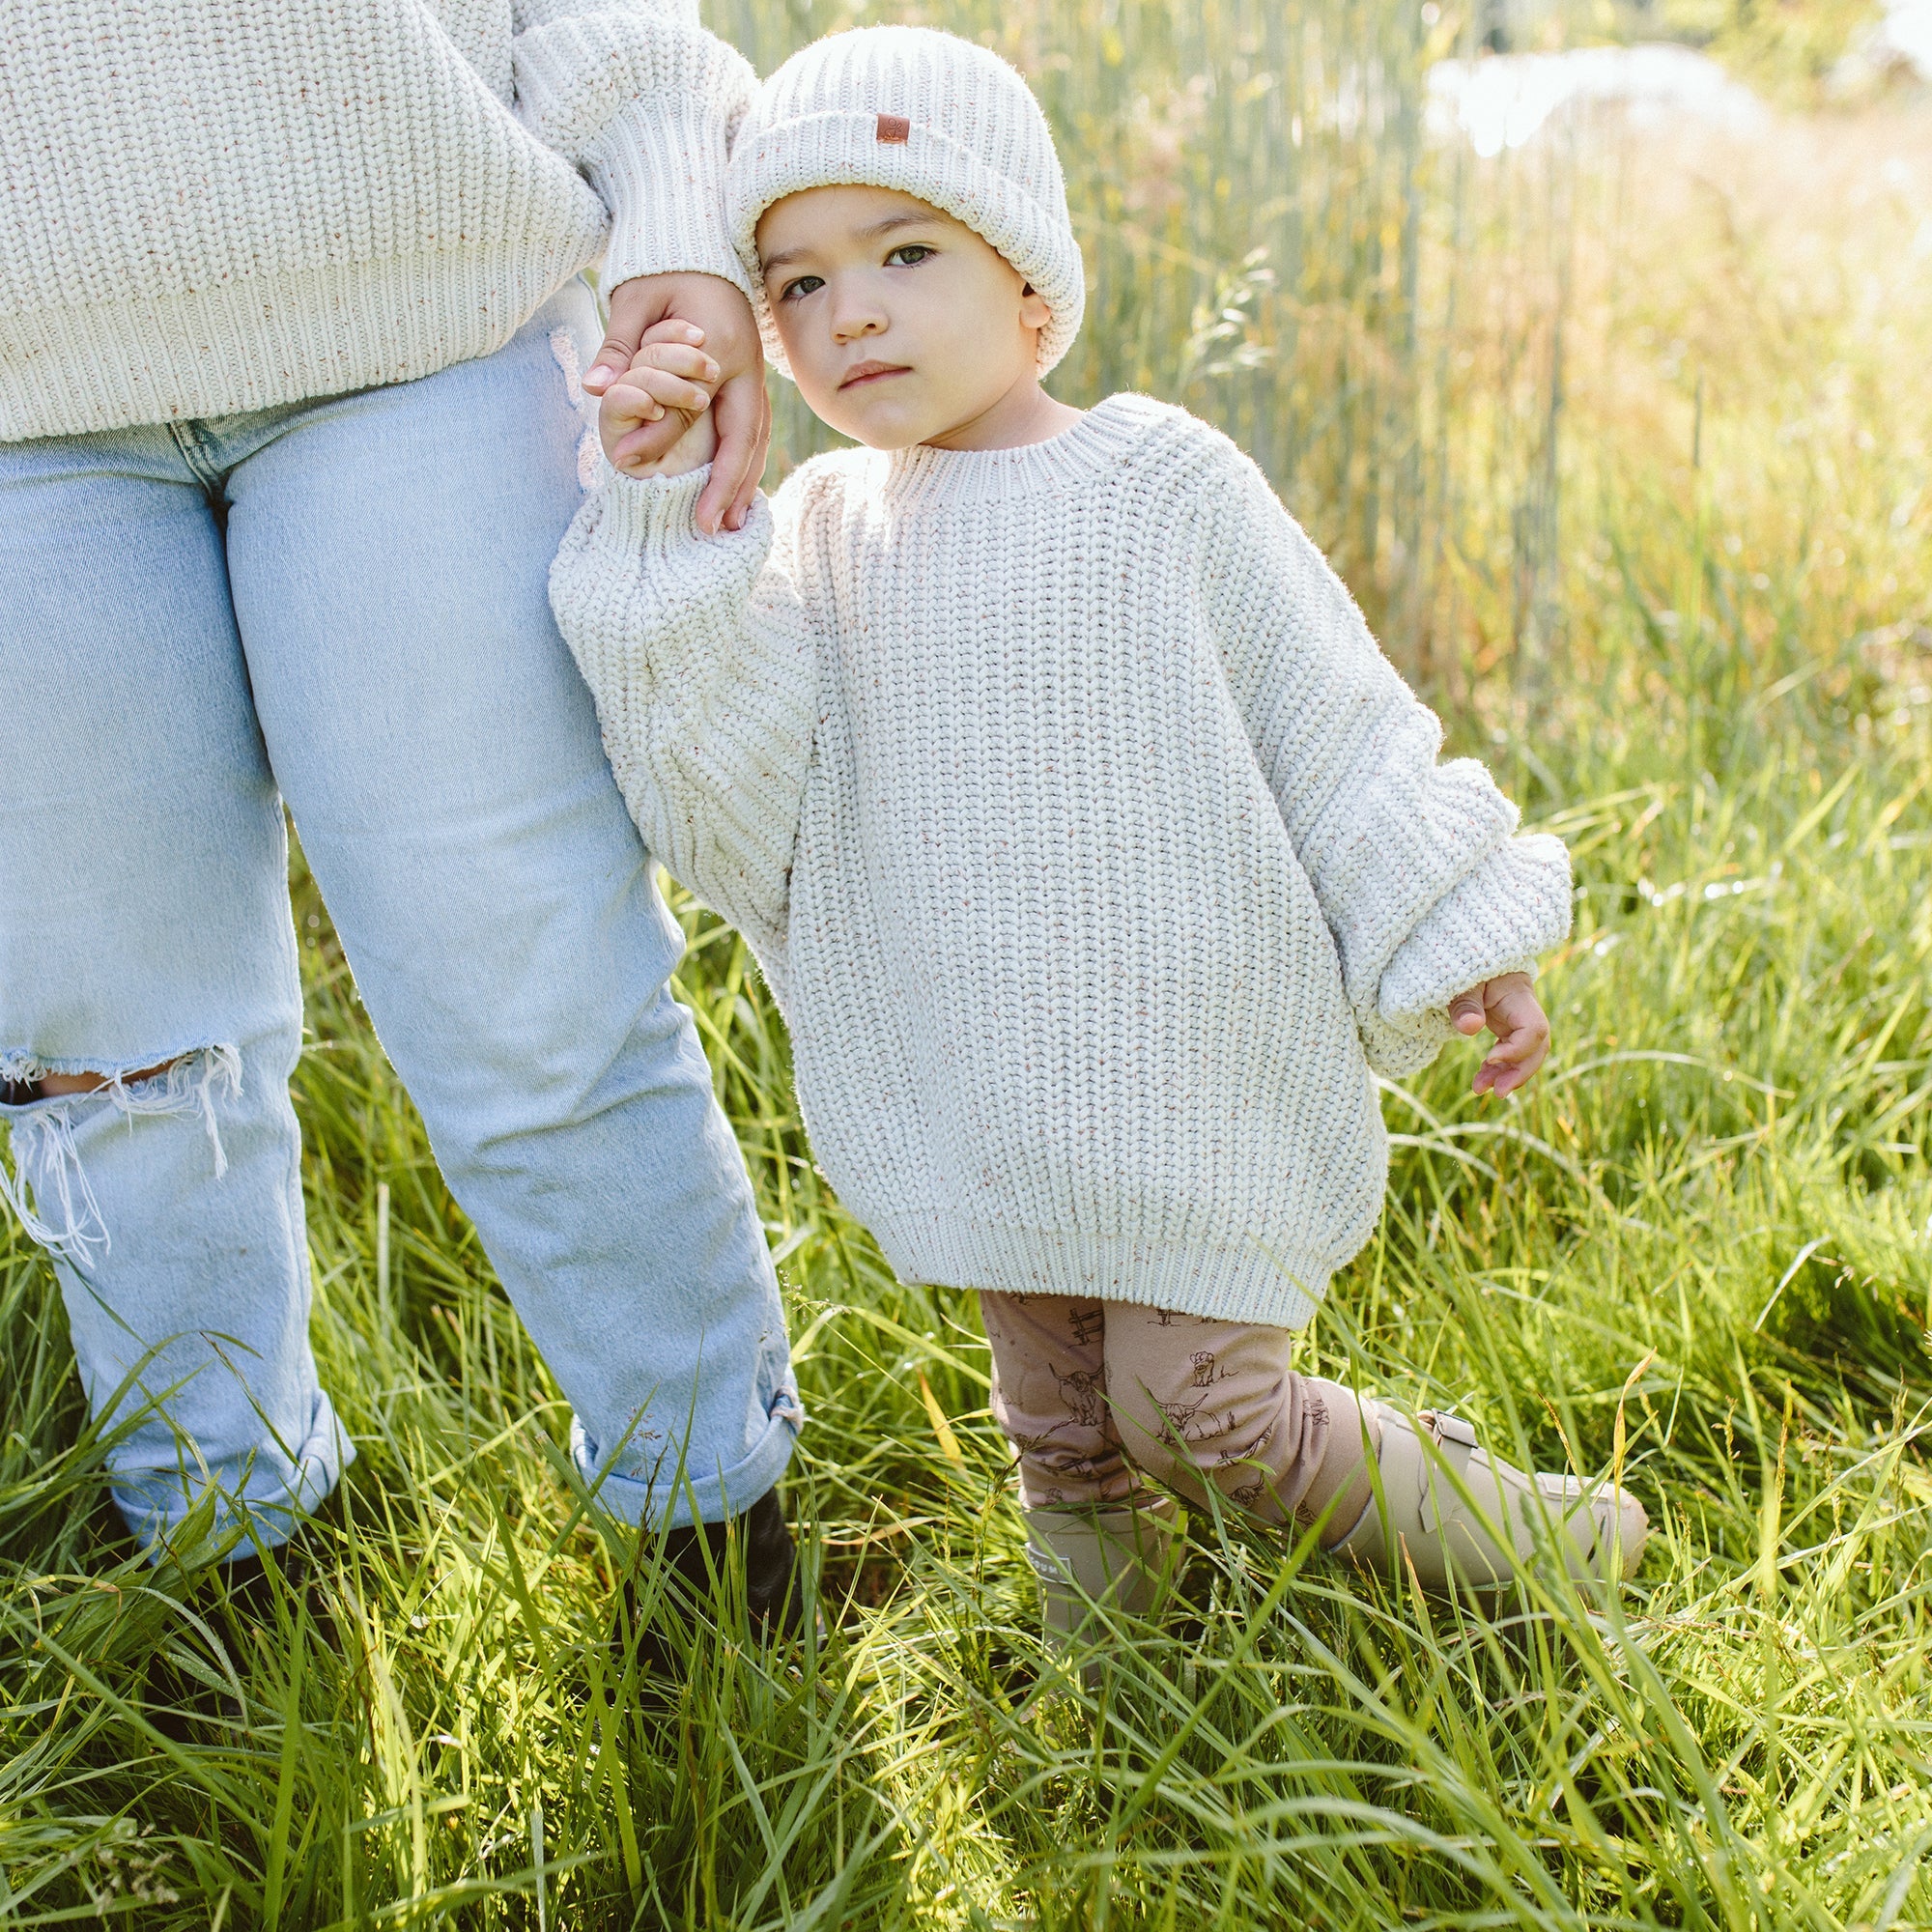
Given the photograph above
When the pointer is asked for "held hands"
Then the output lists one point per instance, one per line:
(1509, 1008)
(658, 418)
(663, 309)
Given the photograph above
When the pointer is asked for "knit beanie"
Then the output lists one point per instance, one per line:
(930, 115)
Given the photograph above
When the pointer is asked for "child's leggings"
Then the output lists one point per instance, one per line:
(1093, 1395)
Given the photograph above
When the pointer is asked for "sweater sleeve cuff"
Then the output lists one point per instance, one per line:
(661, 172)
(654, 512)
(1512, 907)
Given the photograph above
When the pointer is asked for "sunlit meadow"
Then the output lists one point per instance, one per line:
(1625, 441)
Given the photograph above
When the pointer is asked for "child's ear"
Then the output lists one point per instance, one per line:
(1034, 310)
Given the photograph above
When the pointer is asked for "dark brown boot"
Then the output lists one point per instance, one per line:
(758, 1545)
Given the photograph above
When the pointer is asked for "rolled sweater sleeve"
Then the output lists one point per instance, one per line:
(646, 103)
(704, 663)
(1421, 876)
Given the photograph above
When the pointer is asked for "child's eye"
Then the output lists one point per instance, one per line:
(909, 254)
(800, 285)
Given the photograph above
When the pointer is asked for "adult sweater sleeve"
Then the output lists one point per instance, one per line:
(646, 103)
(704, 663)
(1421, 875)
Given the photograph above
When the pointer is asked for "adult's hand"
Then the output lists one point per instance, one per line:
(739, 408)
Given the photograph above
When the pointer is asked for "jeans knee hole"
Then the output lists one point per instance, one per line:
(49, 1188)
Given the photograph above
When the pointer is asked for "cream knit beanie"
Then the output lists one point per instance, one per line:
(928, 114)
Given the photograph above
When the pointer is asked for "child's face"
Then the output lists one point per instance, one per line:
(901, 324)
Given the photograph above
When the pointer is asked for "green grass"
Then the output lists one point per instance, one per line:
(1700, 1249)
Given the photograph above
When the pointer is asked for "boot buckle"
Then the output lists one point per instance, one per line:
(1447, 1429)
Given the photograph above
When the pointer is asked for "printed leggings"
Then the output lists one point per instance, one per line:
(1096, 1395)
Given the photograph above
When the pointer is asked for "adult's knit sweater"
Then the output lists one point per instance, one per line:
(212, 206)
(1094, 850)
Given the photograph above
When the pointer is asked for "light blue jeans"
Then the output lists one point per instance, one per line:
(368, 639)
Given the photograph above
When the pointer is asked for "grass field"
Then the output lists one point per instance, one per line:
(1678, 588)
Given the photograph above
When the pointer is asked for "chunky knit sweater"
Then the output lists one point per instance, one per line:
(211, 206)
(1093, 848)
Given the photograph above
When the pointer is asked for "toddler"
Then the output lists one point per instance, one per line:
(1093, 851)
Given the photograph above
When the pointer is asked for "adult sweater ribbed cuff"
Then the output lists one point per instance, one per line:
(661, 172)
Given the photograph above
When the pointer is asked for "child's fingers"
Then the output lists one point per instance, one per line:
(673, 389)
(1517, 1048)
(672, 329)
(625, 404)
(637, 429)
(691, 450)
(647, 395)
(649, 441)
(1466, 1011)
(1514, 1058)
(1504, 1080)
(676, 359)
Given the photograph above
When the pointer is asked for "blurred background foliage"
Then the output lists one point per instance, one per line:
(1448, 364)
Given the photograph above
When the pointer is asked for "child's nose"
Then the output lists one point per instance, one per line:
(860, 320)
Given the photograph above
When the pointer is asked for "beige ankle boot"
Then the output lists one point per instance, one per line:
(1116, 1558)
(1446, 1501)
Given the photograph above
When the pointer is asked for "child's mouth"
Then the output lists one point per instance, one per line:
(873, 372)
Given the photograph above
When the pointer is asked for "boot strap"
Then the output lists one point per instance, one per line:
(1458, 1441)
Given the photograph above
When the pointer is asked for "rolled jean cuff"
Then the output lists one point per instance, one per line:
(673, 1497)
(259, 1504)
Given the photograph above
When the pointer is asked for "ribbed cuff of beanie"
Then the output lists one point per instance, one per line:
(661, 171)
(1515, 905)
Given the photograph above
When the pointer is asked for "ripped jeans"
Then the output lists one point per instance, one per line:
(343, 605)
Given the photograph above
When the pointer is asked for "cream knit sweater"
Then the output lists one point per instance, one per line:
(1093, 848)
(211, 206)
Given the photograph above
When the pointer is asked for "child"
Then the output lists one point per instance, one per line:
(1091, 846)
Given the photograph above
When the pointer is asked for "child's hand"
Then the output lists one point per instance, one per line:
(669, 376)
(1509, 1008)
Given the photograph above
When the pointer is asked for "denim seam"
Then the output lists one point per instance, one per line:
(196, 452)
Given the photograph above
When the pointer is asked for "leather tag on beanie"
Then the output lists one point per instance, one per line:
(895, 129)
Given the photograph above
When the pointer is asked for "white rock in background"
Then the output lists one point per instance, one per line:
(1908, 28)
(1901, 42)
(1502, 100)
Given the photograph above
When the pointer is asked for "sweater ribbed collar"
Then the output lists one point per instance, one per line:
(1071, 460)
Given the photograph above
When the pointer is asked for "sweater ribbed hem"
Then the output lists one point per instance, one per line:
(266, 340)
(1236, 1281)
